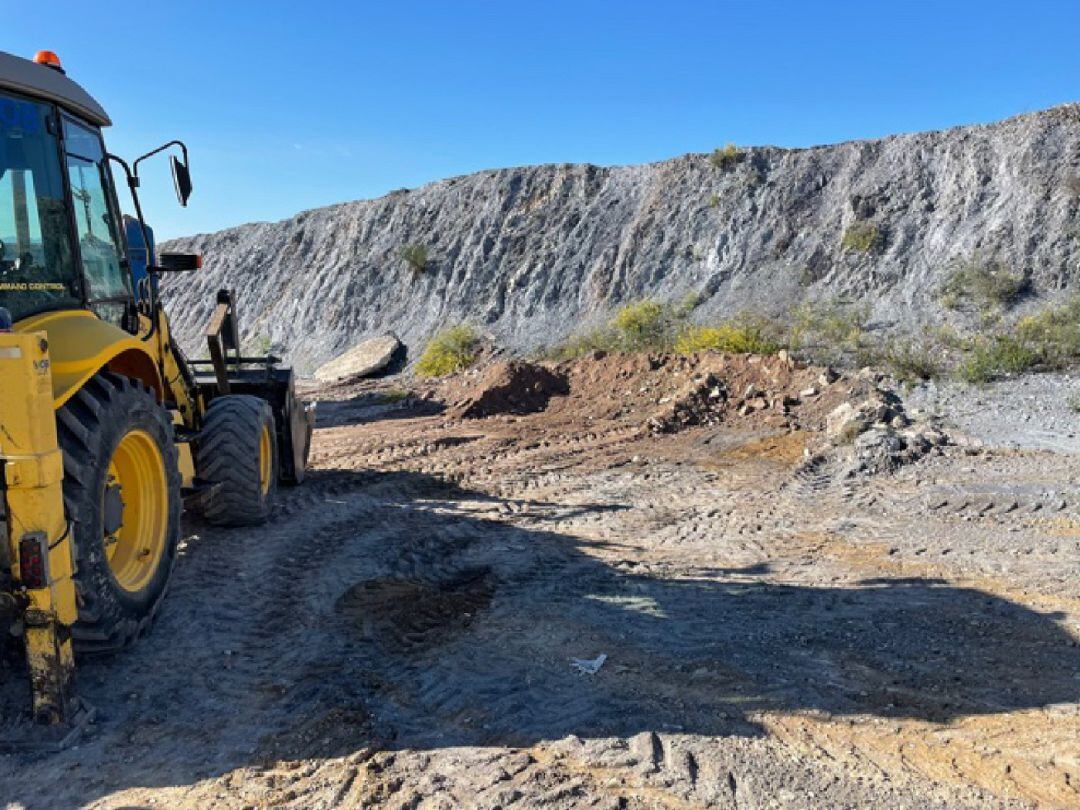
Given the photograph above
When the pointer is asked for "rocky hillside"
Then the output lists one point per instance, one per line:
(531, 254)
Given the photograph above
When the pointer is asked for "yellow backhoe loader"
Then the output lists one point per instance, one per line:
(106, 430)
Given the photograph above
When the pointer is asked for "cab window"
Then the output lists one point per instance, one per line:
(37, 268)
(95, 221)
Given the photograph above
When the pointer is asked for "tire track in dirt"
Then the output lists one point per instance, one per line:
(401, 632)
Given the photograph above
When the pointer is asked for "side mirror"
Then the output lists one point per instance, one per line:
(178, 263)
(181, 179)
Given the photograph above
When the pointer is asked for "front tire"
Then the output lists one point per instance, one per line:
(237, 453)
(122, 494)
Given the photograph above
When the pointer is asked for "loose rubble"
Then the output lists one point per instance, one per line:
(877, 435)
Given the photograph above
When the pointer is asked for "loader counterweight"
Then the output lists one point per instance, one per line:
(37, 542)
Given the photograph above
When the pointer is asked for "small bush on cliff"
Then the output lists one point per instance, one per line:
(726, 157)
(863, 237)
(259, 346)
(987, 284)
(451, 350)
(416, 256)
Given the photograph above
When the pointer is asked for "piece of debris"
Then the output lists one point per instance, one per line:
(588, 666)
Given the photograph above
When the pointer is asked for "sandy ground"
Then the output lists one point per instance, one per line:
(776, 635)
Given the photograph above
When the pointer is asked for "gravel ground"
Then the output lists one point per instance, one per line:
(777, 634)
(1036, 411)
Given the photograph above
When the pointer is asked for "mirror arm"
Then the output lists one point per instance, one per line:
(138, 160)
(133, 185)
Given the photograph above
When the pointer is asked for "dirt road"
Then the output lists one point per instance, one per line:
(775, 635)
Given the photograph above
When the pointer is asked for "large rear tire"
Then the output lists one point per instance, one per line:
(122, 495)
(237, 454)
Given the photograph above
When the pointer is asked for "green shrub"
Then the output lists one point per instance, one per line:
(987, 284)
(642, 325)
(863, 237)
(581, 344)
(714, 201)
(416, 256)
(451, 350)
(995, 357)
(726, 157)
(734, 337)
(649, 325)
(393, 396)
(689, 302)
(912, 360)
(1054, 333)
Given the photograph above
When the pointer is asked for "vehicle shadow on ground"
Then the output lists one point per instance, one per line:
(372, 406)
(424, 623)
(466, 631)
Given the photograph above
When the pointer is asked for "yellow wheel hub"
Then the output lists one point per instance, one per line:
(134, 550)
(266, 460)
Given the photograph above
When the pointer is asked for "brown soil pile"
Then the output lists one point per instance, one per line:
(508, 387)
(672, 393)
(663, 393)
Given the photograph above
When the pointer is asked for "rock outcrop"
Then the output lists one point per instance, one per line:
(531, 254)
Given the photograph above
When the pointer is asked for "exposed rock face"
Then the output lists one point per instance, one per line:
(531, 254)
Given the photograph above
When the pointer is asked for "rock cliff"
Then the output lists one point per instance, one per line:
(531, 254)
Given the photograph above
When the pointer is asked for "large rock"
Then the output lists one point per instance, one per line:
(362, 360)
(532, 254)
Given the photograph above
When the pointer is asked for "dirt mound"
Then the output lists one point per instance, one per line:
(509, 387)
(670, 393)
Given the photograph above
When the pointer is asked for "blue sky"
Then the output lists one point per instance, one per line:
(288, 106)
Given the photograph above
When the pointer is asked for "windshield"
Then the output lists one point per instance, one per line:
(37, 265)
(96, 225)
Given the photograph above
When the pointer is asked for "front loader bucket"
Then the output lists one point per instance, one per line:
(35, 545)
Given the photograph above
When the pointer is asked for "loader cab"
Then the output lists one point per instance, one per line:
(61, 244)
